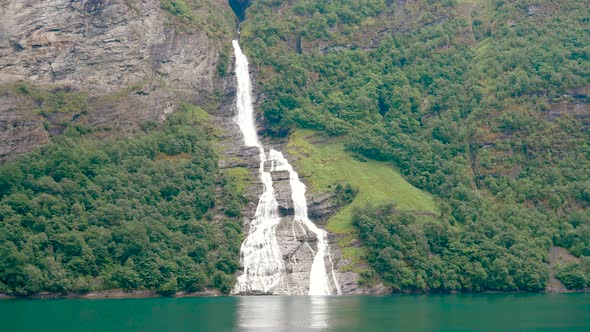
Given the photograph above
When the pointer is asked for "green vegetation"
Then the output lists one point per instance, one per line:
(79, 215)
(240, 176)
(575, 275)
(472, 101)
(457, 131)
(434, 257)
(200, 16)
(325, 164)
(223, 63)
(179, 8)
(49, 101)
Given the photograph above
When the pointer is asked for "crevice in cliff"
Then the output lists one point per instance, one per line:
(239, 7)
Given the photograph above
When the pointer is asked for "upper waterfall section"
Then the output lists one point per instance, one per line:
(245, 116)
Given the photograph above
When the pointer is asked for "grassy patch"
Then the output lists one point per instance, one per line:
(200, 15)
(356, 256)
(47, 101)
(178, 158)
(178, 8)
(323, 164)
(196, 114)
(240, 176)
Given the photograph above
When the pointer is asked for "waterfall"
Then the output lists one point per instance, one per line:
(319, 283)
(260, 254)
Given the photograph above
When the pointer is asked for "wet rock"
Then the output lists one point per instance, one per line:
(248, 157)
(348, 282)
(297, 256)
(280, 175)
(254, 293)
(283, 196)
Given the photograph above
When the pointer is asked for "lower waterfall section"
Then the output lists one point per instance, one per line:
(319, 279)
(260, 254)
(300, 262)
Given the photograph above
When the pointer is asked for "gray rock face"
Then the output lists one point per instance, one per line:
(297, 249)
(298, 246)
(322, 206)
(101, 47)
(19, 130)
(283, 196)
(349, 280)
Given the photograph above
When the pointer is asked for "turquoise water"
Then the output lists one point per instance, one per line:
(485, 312)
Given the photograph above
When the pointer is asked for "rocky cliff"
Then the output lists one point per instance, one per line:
(111, 67)
(128, 61)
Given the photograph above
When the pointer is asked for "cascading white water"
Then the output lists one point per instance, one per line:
(260, 254)
(319, 283)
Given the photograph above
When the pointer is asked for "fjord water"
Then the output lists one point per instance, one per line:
(484, 312)
(260, 254)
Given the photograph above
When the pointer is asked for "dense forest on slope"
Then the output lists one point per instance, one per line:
(109, 173)
(483, 103)
(152, 212)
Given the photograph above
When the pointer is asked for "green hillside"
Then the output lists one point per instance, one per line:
(79, 215)
(458, 132)
(483, 104)
(376, 182)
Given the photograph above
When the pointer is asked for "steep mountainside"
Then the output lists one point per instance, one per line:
(111, 119)
(108, 65)
(451, 138)
(482, 103)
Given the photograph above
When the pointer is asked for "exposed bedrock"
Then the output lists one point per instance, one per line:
(101, 48)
